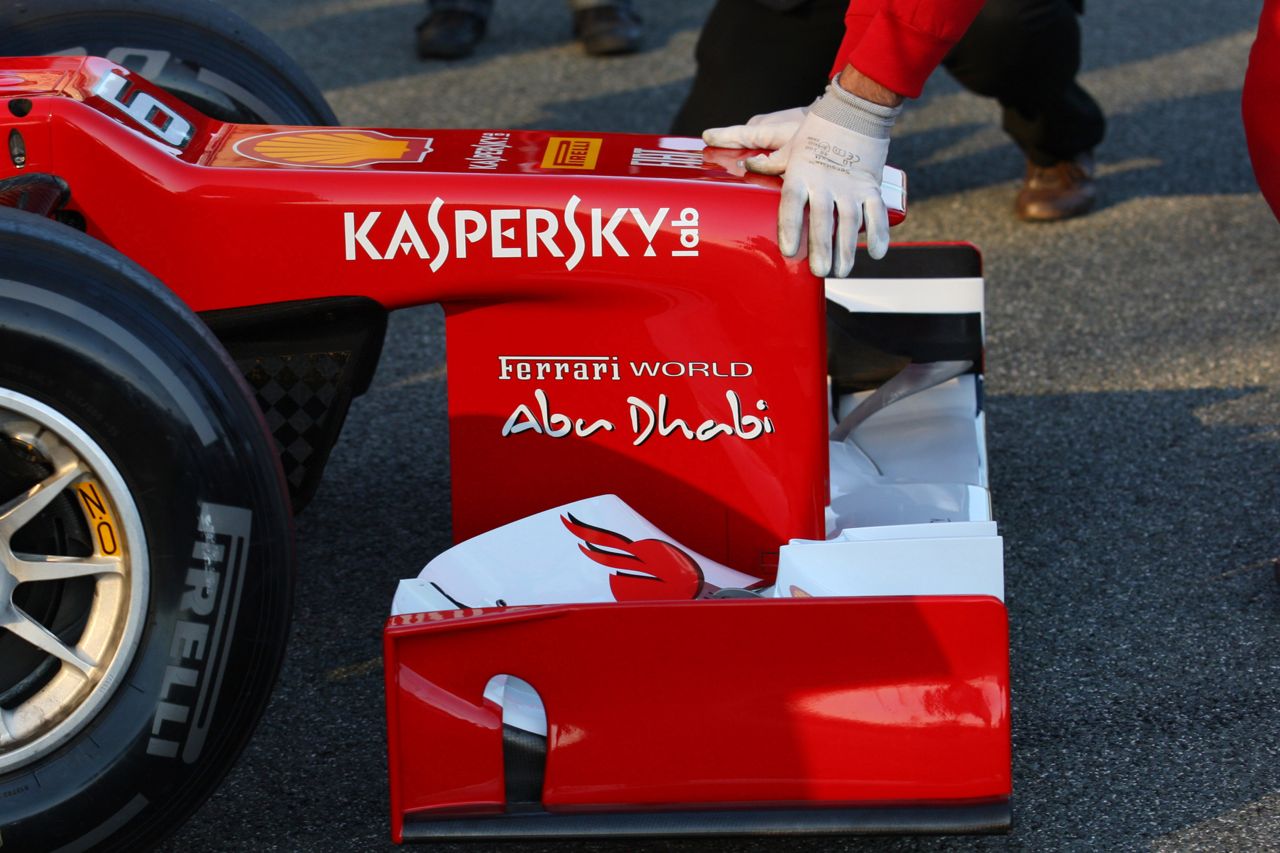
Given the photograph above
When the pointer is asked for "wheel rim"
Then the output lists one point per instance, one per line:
(77, 666)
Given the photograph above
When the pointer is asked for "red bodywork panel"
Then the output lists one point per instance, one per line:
(619, 321)
(837, 702)
(614, 304)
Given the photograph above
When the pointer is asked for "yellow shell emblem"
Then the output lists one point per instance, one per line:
(341, 149)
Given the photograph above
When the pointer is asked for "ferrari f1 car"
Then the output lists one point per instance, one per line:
(699, 445)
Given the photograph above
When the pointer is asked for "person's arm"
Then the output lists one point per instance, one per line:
(831, 157)
(832, 167)
(856, 83)
(899, 43)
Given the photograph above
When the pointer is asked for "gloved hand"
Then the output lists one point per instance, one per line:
(767, 130)
(833, 164)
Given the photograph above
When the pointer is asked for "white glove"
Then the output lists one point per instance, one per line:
(767, 130)
(834, 165)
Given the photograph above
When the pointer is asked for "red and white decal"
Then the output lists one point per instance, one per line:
(333, 149)
(514, 233)
(597, 549)
(639, 571)
(581, 368)
(646, 419)
(572, 152)
(487, 153)
(160, 120)
(663, 158)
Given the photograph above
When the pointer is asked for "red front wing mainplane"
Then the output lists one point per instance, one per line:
(725, 560)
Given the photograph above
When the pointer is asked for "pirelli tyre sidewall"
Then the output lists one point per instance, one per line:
(91, 336)
(204, 54)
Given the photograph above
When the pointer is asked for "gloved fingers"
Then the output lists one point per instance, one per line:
(731, 161)
(774, 136)
(750, 136)
(733, 136)
(766, 181)
(792, 116)
(769, 164)
(822, 223)
(795, 196)
(850, 219)
(877, 226)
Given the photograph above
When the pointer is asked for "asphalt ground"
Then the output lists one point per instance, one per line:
(1134, 427)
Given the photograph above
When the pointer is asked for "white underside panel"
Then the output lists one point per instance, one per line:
(932, 443)
(910, 510)
(907, 295)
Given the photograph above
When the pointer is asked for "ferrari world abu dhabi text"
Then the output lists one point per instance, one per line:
(646, 421)
(602, 367)
(571, 234)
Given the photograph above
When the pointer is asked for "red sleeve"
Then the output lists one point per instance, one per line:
(1261, 94)
(898, 43)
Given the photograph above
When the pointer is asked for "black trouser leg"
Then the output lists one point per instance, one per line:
(1026, 54)
(482, 8)
(752, 59)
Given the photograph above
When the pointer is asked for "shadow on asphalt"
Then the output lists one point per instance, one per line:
(1135, 163)
(384, 35)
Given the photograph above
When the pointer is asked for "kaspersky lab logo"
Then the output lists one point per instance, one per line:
(333, 149)
(570, 234)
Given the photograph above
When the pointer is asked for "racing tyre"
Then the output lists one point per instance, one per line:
(146, 554)
(200, 52)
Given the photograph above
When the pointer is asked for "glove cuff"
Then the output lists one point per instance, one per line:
(857, 114)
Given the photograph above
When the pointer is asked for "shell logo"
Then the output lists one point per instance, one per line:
(333, 149)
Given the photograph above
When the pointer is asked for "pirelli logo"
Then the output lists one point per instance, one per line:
(202, 637)
(571, 152)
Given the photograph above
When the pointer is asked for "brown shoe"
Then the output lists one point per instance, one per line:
(608, 29)
(449, 34)
(1060, 191)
